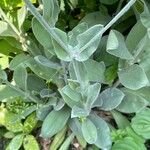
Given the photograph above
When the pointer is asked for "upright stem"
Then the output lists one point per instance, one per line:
(43, 22)
(77, 71)
(118, 16)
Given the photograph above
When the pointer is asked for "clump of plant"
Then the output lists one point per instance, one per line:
(76, 82)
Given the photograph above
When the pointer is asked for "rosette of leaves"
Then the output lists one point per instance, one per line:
(58, 74)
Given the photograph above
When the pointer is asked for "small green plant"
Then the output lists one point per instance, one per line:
(69, 81)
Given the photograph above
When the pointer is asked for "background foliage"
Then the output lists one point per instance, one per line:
(74, 74)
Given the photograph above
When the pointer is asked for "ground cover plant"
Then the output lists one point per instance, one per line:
(74, 74)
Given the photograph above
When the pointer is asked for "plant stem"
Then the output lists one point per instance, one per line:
(118, 16)
(9, 22)
(43, 22)
(77, 71)
(27, 95)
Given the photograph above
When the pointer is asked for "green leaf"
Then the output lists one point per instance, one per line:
(145, 16)
(80, 28)
(18, 61)
(141, 123)
(5, 30)
(20, 77)
(30, 123)
(128, 143)
(62, 53)
(79, 112)
(108, 2)
(95, 70)
(3, 74)
(21, 15)
(67, 142)
(46, 62)
(7, 93)
(51, 11)
(134, 101)
(92, 94)
(111, 98)
(75, 126)
(89, 131)
(4, 61)
(13, 122)
(134, 37)
(42, 35)
(15, 143)
(30, 143)
(43, 72)
(88, 42)
(116, 45)
(133, 77)
(54, 122)
(97, 17)
(103, 140)
(58, 139)
(121, 121)
(35, 84)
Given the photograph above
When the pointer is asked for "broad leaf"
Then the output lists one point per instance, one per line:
(30, 123)
(133, 77)
(42, 35)
(54, 122)
(5, 30)
(20, 77)
(121, 121)
(103, 140)
(116, 45)
(43, 72)
(46, 62)
(141, 123)
(18, 61)
(50, 11)
(128, 143)
(88, 42)
(21, 15)
(95, 70)
(7, 93)
(134, 101)
(16, 142)
(30, 143)
(145, 16)
(110, 98)
(89, 131)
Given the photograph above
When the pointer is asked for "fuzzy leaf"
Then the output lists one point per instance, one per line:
(51, 11)
(103, 140)
(54, 122)
(133, 77)
(20, 77)
(88, 42)
(42, 36)
(141, 123)
(89, 131)
(18, 60)
(111, 98)
(16, 142)
(128, 143)
(30, 143)
(116, 45)
(134, 101)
